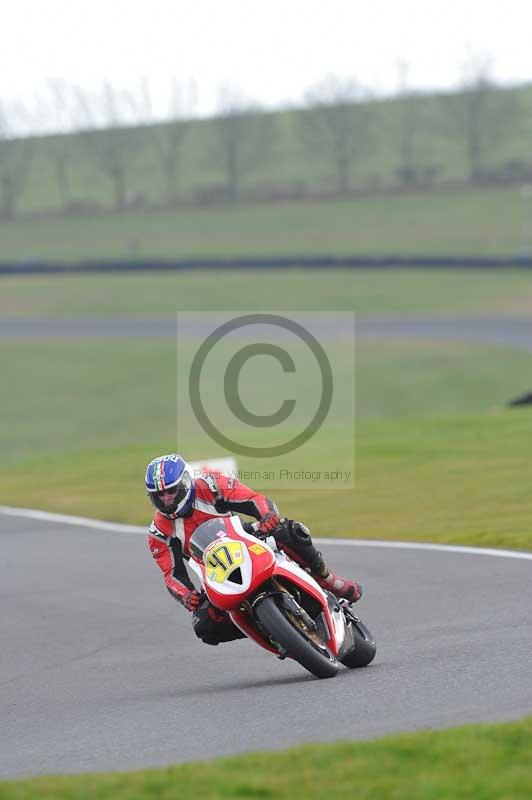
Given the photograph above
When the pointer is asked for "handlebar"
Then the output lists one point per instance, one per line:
(254, 528)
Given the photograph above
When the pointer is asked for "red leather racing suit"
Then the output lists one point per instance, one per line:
(218, 496)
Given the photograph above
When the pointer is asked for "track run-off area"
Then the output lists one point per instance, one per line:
(100, 668)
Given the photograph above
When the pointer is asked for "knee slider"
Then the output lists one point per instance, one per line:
(300, 532)
(296, 537)
(293, 533)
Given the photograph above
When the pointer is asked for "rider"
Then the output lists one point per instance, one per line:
(182, 503)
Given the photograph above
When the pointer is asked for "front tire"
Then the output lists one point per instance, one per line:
(316, 659)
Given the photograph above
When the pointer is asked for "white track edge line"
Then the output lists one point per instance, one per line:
(117, 527)
(442, 548)
(65, 519)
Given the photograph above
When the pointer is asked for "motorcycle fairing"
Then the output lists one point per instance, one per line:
(258, 561)
(218, 575)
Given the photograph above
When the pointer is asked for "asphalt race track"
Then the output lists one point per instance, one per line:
(512, 331)
(100, 669)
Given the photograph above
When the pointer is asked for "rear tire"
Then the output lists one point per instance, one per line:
(317, 660)
(364, 649)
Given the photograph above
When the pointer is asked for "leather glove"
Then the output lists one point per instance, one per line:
(269, 522)
(357, 592)
(191, 600)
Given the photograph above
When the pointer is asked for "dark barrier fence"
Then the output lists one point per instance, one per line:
(292, 262)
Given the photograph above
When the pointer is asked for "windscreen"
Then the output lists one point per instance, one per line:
(205, 534)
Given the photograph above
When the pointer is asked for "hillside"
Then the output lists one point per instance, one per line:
(417, 140)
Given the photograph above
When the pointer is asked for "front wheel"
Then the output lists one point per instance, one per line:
(286, 630)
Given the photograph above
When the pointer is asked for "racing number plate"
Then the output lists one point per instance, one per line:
(222, 560)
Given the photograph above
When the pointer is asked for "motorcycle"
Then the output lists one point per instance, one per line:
(274, 601)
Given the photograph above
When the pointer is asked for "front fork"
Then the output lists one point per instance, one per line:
(289, 603)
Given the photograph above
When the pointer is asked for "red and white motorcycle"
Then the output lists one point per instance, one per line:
(275, 602)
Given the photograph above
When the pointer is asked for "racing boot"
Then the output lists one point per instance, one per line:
(294, 538)
(330, 581)
(340, 587)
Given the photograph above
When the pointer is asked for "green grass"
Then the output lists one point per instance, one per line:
(366, 291)
(60, 396)
(436, 456)
(475, 762)
(463, 480)
(437, 459)
(465, 222)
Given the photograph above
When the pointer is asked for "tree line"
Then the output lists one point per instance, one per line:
(120, 156)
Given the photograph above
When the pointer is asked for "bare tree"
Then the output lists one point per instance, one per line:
(59, 146)
(110, 138)
(167, 138)
(412, 127)
(15, 160)
(244, 138)
(336, 124)
(481, 113)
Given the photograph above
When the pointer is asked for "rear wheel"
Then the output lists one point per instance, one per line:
(364, 649)
(302, 645)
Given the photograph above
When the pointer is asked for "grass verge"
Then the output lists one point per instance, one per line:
(65, 396)
(475, 762)
(368, 291)
(463, 480)
(437, 459)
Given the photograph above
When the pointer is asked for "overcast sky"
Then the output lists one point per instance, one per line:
(269, 51)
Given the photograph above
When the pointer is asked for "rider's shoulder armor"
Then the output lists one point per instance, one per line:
(209, 490)
(162, 527)
(211, 483)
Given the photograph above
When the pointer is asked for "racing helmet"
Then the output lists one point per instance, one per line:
(170, 473)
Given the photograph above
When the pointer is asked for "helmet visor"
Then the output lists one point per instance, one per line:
(170, 499)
